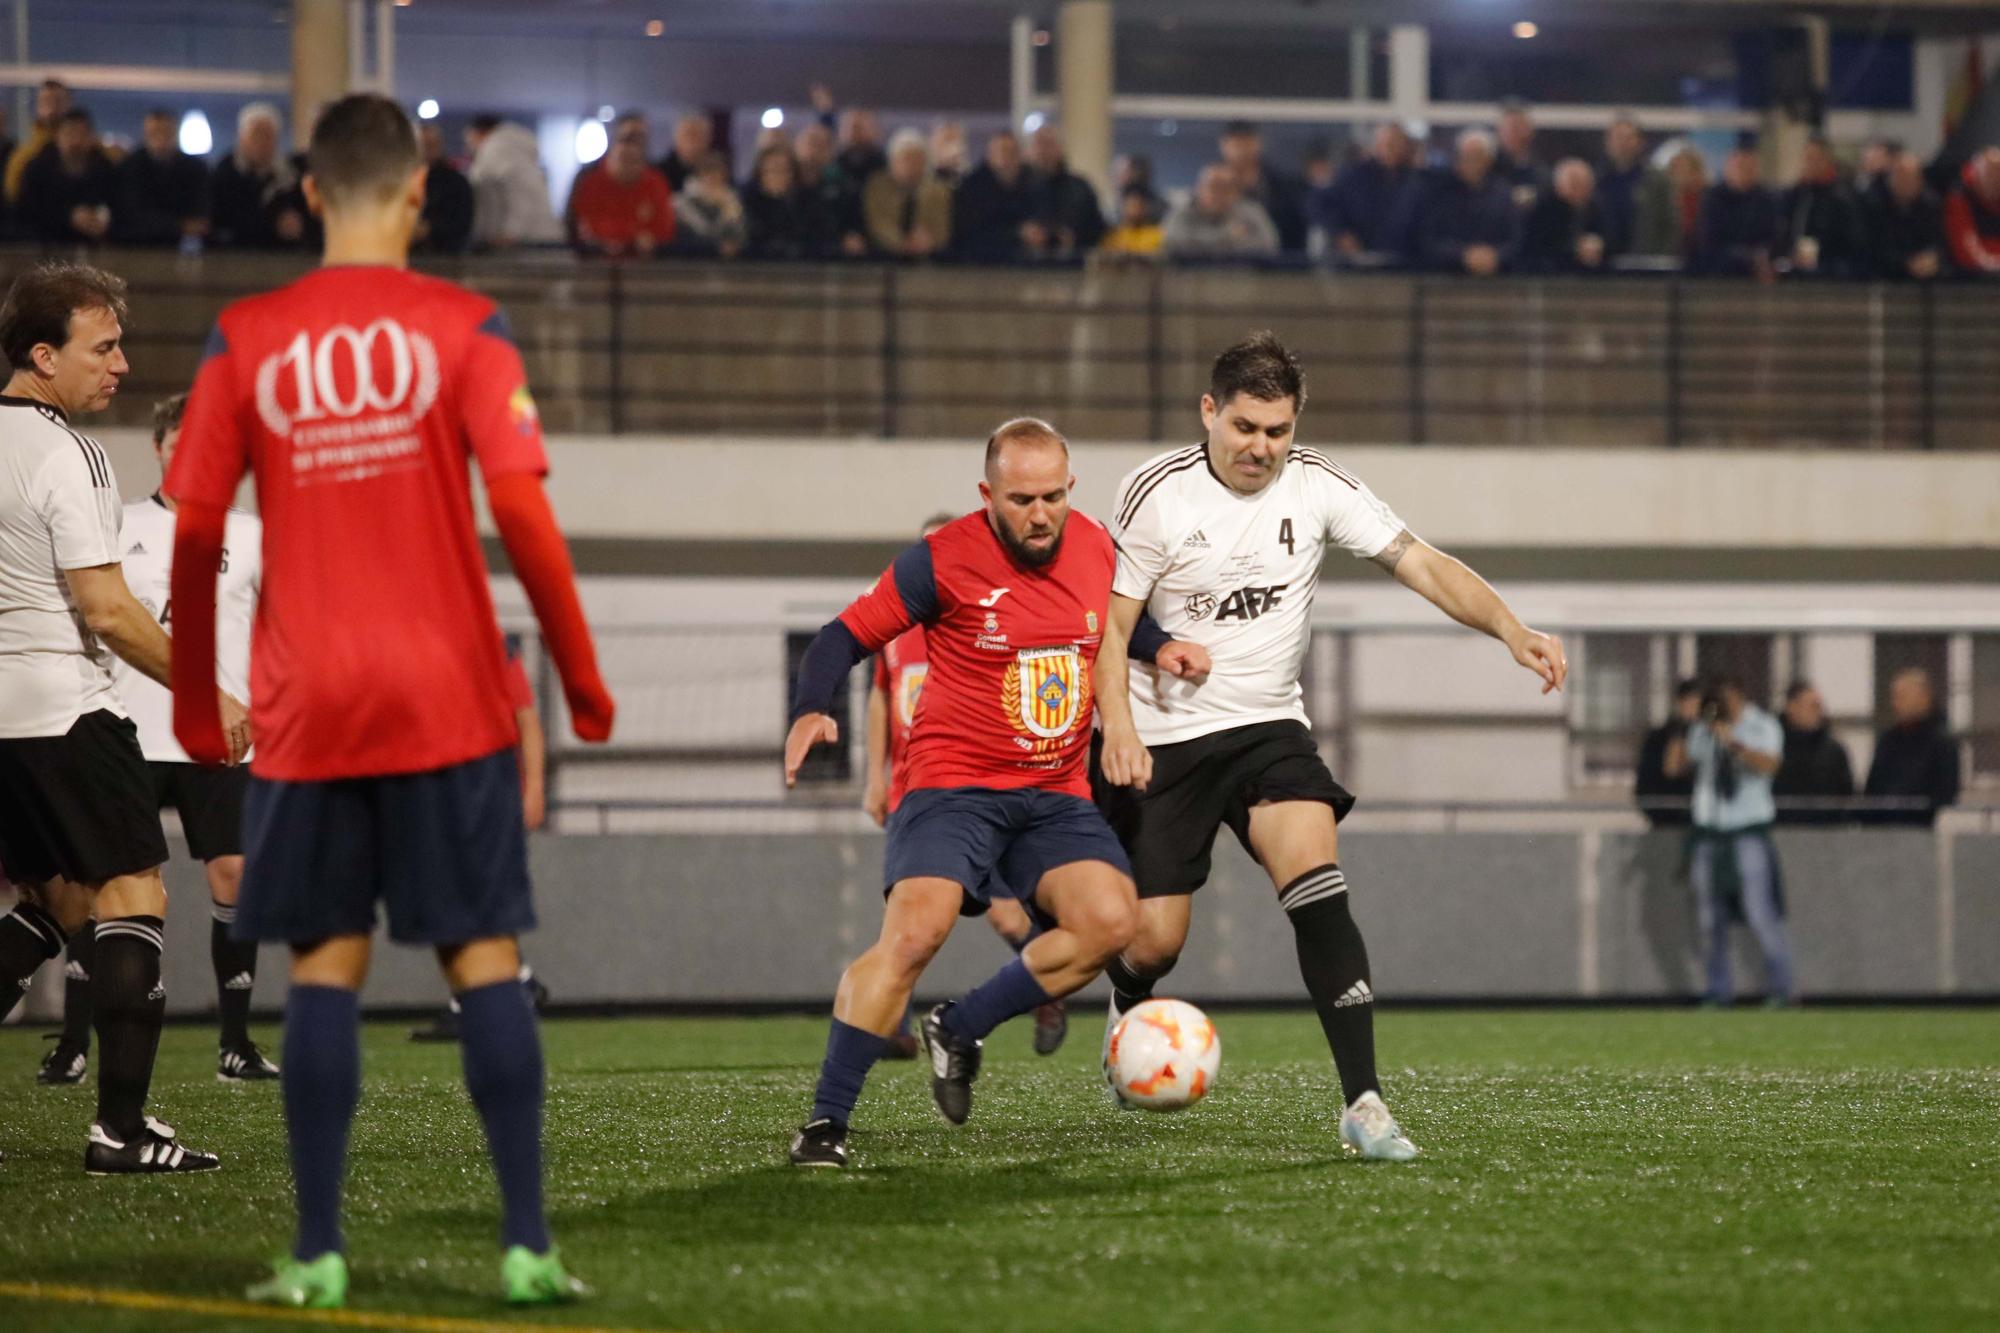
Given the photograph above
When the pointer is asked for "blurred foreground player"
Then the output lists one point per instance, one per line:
(1014, 597)
(209, 800)
(358, 397)
(79, 827)
(1223, 540)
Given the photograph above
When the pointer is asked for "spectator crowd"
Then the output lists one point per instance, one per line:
(1913, 774)
(840, 188)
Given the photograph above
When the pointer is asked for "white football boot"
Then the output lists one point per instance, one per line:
(1369, 1129)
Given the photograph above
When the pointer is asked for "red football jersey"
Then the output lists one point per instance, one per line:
(357, 397)
(1007, 698)
(900, 669)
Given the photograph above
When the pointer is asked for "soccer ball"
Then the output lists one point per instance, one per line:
(1163, 1055)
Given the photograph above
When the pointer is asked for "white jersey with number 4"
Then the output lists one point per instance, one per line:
(1234, 573)
(148, 548)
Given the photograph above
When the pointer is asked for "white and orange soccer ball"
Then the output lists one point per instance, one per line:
(1163, 1055)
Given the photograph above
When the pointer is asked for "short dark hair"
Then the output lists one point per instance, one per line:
(1692, 685)
(485, 122)
(1260, 366)
(1241, 129)
(76, 115)
(1796, 688)
(167, 415)
(1021, 428)
(1726, 680)
(937, 520)
(42, 301)
(363, 143)
(160, 113)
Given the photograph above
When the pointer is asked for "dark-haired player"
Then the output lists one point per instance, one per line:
(79, 824)
(359, 397)
(1222, 541)
(209, 800)
(1013, 597)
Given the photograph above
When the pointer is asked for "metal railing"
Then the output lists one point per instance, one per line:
(1121, 353)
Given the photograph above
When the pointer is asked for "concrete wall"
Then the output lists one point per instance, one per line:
(731, 918)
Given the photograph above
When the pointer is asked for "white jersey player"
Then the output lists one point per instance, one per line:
(209, 800)
(1222, 542)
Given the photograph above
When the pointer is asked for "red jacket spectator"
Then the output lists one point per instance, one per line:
(621, 205)
(1972, 215)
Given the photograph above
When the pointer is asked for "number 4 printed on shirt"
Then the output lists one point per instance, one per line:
(1285, 536)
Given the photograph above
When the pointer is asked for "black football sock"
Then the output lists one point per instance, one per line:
(1127, 987)
(1334, 963)
(29, 937)
(235, 964)
(76, 986)
(130, 1004)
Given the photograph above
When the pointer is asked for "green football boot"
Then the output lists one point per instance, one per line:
(538, 1279)
(319, 1285)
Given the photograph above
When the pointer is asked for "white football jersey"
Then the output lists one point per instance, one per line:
(148, 548)
(1234, 573)
(58, 511)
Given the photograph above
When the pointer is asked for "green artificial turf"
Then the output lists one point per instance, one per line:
(1587, 1169)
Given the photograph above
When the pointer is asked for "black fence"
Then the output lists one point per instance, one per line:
(1122, 353)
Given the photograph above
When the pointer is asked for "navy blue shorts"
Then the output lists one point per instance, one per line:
(995, 843)
(445, 852)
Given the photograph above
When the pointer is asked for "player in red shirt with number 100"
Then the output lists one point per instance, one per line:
(385, 768)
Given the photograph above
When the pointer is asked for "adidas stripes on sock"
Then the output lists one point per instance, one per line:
(235, 964)
(1127, 987)
(82, 957)
(29, 937)
(130, 1004)
(1334, 963)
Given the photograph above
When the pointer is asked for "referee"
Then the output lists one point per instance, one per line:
(79, 827)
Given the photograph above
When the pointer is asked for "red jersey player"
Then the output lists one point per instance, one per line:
(1013, 598)
(358, 397)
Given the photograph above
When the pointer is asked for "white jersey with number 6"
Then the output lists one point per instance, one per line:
(1234, 573)
(148, 553)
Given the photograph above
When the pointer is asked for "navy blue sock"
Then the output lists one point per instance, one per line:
(502, 1049)
(322, 1082)
(850, 1054)
(1010, 991)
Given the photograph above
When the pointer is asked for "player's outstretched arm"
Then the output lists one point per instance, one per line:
(1127, 761)
(905, 595)
(1454, 589)
(541, 561)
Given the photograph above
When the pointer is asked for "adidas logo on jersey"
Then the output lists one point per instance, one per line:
(1197, 541)
(1358, 993)
(138, 548)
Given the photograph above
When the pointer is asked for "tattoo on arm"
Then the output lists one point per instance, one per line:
(1392, 555)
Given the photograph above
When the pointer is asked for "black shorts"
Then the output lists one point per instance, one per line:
(444, 851)
(1199, 785)
(210, 802)
(78, 806)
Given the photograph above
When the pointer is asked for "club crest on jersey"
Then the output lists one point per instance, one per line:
(1046, 691)
(1201, 606)
(1090, 622)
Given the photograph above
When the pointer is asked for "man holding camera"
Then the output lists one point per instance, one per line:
(1733, 749)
